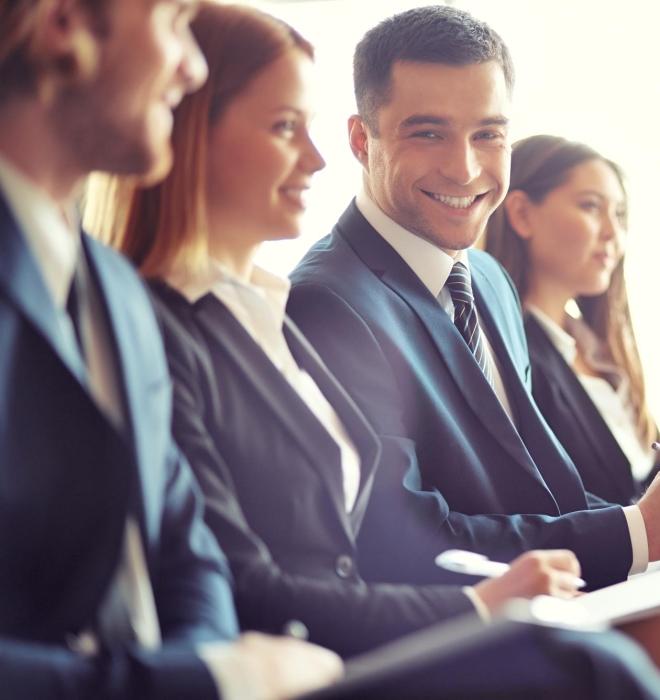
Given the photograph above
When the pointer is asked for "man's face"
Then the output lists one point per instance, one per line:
(120, 120)
(440, 163)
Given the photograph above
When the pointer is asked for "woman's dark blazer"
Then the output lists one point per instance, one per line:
(577, 422)
(272, 479)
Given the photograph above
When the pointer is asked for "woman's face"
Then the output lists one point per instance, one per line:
(261, 157)
(577, 230)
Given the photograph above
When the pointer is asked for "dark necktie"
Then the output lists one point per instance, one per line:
(465, 316)
(74, 308)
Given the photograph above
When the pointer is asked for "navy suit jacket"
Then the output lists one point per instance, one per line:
(272, 479)
(470, 479)
(577, 422)
(68, 479)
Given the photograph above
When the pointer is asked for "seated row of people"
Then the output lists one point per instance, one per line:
(286, 460)
(329, 507)
(330, 499)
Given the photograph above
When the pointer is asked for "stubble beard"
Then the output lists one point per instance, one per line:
(83, 122)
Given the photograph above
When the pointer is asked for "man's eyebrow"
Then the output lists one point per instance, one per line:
(418, 119)
(435, 120)
(498, 120)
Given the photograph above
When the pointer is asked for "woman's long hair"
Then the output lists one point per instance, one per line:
(540, 164)
(165, 225)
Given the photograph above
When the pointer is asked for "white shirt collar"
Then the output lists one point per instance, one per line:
(430, 263)
(564, 342)
(217, 279)
(53, 240)
(579, 335)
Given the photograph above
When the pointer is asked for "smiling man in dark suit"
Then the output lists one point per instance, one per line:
(427, 336)
(110, 584)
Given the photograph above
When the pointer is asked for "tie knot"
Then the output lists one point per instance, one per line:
(459, 285)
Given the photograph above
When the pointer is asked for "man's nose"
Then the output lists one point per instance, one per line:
(461, 164)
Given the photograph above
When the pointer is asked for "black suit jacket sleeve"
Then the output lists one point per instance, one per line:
(415, 513)
(345, 616)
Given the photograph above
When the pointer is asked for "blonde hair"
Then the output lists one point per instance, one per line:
(165, 226)
(539, 164)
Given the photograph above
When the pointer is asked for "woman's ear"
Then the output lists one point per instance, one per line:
(518, 209)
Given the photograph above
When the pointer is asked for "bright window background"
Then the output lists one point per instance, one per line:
(588, 70)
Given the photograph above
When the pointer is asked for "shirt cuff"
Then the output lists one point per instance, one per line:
(638, 539)
(479, 605)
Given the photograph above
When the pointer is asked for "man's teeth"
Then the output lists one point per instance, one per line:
(456, 202)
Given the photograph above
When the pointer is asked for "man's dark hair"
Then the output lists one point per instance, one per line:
(433, 34)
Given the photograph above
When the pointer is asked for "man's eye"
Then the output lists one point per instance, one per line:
(426, 135)
(489, 135)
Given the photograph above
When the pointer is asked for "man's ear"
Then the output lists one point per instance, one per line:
(358, 138)
(64, 47)
(518, 207)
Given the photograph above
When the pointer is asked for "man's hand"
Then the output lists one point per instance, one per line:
(261, 667)
(550, 572)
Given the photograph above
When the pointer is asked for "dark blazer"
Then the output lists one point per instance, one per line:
(577, 422)
(68, 480)
(470, 478)
(272, 479)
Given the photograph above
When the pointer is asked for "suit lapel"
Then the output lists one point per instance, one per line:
(23, 283)
(356, 425)
(385, 262)
(594, 428)
(128, 366)
(223, 330)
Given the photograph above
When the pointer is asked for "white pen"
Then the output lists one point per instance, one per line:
(473, 564)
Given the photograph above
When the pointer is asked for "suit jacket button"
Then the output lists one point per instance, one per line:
(344, 566)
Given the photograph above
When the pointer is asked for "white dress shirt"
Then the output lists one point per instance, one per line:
(259, 306)
(53, 237)
(432, 265)
(611, 398)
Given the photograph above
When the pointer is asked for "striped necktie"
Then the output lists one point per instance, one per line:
(74, 307)
(465, 316)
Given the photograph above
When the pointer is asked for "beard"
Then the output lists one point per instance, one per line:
(99, 140)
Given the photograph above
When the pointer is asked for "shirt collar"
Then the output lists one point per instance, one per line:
(579, 334)
(430, 263)
(564, 342)
(52, 236)
(216, 279)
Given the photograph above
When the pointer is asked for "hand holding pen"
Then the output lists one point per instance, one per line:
(544, 572)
